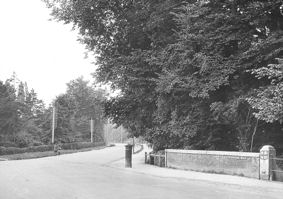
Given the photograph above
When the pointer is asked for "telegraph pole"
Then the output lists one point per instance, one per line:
(91, 130)
(121, 134)
(53, 123)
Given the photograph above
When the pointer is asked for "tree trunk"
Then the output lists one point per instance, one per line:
(252, 142)
(243, 145)
(243, 141)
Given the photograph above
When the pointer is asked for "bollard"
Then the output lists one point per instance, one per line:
(128, 155)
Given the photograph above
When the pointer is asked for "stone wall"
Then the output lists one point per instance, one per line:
(232, 163)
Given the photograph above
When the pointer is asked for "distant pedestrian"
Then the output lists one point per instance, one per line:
(57, 148)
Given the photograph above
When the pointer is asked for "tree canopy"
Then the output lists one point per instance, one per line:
(26, 121)
(192, 74)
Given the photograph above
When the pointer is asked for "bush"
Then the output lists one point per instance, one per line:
(42, 148)
(23, 140)
(80, 145)
(37, 143)
(70, 146)
(11, 150)
(8, 144)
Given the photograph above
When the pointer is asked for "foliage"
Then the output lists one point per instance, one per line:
(124, 34)
(25, 121)
(64, 111)
(21, 113)
(268, 100)
(218, 41)
(184, 67)
(74, 109)
(8, 110)
(88, 104)
(43, 148)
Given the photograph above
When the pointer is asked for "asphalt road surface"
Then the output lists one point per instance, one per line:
(89, 175)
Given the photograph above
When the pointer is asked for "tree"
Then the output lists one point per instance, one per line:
(74, 109)
(8, 112)
(21, 112)
(268, 100)
(125, 34)
(181, 66)
(65, 108)
(88, 104)
(217, 42)
(30, 110)
(34, 109)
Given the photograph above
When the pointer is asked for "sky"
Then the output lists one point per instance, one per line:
(43, 53)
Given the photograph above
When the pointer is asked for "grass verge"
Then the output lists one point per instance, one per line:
(32, 155)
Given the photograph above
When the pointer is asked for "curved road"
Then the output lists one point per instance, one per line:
(89, 175)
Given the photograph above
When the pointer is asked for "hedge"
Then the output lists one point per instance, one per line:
(42, 148)
(81, 145)
(8, 144)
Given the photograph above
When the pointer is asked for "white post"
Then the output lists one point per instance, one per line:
(91, 130)
(165, 157)
(267, 153)
(53, 123)
(133, 144)
(121, 134)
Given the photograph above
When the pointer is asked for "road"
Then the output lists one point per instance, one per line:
(89, 175)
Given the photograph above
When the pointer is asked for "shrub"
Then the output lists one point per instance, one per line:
(37, 143)
(42, 148)
(11, 150)
(23, 140)
(8, 144)
(80, 145)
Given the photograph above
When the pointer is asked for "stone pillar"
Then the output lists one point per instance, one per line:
(266, 162)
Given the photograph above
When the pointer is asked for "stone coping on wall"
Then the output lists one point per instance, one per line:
(218, 153)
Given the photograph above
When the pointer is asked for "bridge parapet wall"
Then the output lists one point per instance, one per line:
(224, 162)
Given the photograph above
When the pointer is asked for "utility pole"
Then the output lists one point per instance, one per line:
(121, 134)
(133, 144)
(53, 123)
(91, 130)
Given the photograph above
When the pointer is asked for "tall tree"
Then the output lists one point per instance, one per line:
(65, 108)
(183, 67)
(25, 111)
(8, 112)
(125, 34)
(89, 106)
(218, 42)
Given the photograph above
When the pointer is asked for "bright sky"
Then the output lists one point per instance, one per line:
(45, 54)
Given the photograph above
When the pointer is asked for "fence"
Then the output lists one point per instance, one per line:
(277, 169)
(155, 159)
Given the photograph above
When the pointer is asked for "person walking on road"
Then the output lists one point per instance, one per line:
(57, 148)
